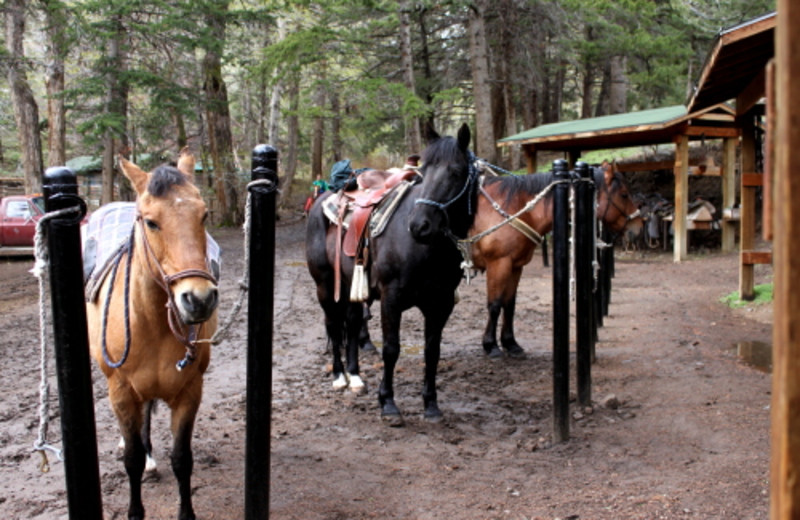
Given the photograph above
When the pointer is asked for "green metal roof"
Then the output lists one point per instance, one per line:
(656, 116)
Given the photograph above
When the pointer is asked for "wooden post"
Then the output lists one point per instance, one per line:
(747, 218)
(785, 408)
(769, 154)
(681, 198)
(729, 192)
(530, 157)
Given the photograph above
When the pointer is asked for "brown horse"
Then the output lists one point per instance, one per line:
(151, 320)
(503, 253)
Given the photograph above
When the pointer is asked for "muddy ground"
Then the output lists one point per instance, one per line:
(687, 437)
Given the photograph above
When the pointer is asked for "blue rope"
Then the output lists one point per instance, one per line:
(106, 356)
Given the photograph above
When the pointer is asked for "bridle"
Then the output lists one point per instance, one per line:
(469, 187)
(185, 334)
(610, 202)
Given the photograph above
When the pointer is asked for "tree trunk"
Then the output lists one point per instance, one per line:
(425, 54)
(412, 132)
(54, 82)
(603, 107)
(318, 132)
(275, 98)
(292, 129)
(507, 16)
(116, 106)
(219, 119)
(336, 127)
(481, 90)
(26, 111)
(618, 91)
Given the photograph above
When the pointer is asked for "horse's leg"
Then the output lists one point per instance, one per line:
(390, 324)
(182, 425)
(507, 338)
(149, 409)
(334, 328)
(354, 324)
(129, 416)
(497, 272)
(363, 338)
(435, 319)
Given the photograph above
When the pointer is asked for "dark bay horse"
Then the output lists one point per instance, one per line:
(150, 322)
(503, 252)
(413, 263)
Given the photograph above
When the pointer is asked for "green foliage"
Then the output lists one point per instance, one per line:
(763, 295)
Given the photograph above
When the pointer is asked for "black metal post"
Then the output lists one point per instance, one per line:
(561, 303)
(260, 308)
(608, 269)
(73, 367)
(583, 230)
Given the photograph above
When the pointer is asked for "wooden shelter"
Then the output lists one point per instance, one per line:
(673, 124)
(732, 71)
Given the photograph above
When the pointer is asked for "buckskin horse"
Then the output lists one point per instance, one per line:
(414, 262)
(503, 253)
(151, 318)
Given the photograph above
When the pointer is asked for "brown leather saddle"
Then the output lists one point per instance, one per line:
(351, 212)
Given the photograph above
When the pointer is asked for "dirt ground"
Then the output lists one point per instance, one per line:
(679, 429)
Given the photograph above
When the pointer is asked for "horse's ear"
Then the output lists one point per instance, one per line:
(186, 163)
(464, 137)
(136, 175)
(429, 132)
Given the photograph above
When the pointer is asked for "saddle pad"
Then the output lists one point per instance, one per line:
(385, 209)
(105, 238)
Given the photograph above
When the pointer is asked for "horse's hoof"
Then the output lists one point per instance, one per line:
(515, 351)
(393, 420)
(357, 385)
(368, 346)
(340, 383)
(150, 464)
(494, 353)
(391, 415)
(433, 414)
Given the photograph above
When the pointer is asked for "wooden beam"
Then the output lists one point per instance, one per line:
(756, 257)
(747, 221)
(681, 204)
(728, 192)
(769, 154)
(751, 94)
(752, 180)
(785, 407)
(712, 131)
(530, 157)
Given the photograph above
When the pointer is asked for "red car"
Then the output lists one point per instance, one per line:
(18, 217)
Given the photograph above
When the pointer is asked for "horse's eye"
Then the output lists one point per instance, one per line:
(151, 224)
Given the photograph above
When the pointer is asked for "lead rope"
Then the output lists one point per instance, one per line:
(39, 270)
(244, 281)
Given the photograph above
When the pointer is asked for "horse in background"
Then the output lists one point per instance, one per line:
(504, 252)
(414, 262)
(150, 322)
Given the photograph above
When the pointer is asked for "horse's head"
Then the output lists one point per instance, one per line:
(448, 188)
(171, 217)
(615, 206)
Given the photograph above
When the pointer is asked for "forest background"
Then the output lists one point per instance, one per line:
(328, 79)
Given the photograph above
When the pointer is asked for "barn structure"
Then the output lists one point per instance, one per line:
(735, 70)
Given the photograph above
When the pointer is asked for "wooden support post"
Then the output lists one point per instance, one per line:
(680, 239)
(729, 192)
(530, 157)
(747, 218)
(785, 408)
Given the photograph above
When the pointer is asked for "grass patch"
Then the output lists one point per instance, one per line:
(763, 295)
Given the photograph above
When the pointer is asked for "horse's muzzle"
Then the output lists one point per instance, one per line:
(196, 305)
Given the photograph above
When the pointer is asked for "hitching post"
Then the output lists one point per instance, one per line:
(260, 307)
(583, 229)
(561, 303)
(73, 368)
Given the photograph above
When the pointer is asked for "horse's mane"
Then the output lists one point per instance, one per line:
(163, 179)
(445, 150)
(512, 185)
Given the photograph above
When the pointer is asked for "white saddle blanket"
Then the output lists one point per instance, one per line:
(106, 237)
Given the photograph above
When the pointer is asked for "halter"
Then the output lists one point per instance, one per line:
(610, 202)
(186, 334)
(468, 187)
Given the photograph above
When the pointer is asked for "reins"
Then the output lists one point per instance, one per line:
(186, 335)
